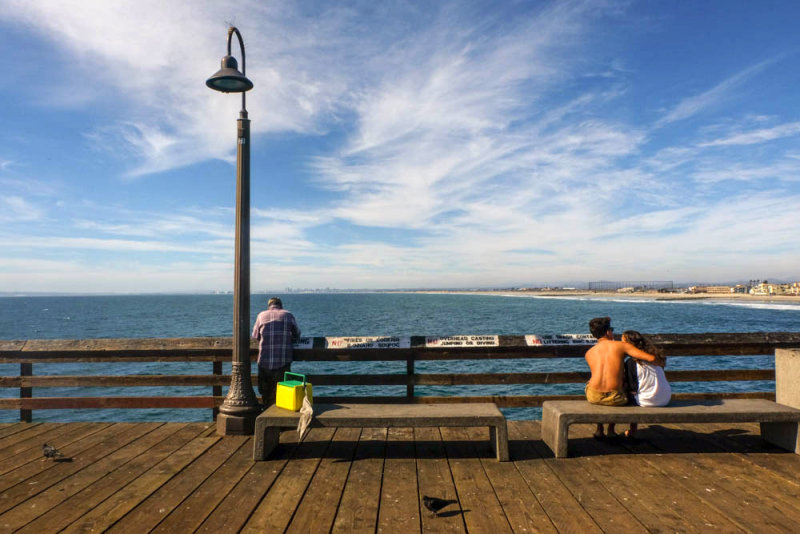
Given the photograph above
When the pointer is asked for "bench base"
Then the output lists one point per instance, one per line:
(273, 419)
(779, 423)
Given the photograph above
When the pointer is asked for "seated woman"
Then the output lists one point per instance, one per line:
(646, 381)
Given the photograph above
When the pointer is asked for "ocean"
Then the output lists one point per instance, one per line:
(372, 314)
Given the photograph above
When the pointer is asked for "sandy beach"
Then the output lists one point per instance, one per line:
(650, 295)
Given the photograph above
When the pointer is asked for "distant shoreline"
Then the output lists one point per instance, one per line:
(649, 295)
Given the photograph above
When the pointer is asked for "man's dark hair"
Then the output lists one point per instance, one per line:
(275, 301)
(599, 326)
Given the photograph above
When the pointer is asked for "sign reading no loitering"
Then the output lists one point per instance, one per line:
(560, 339)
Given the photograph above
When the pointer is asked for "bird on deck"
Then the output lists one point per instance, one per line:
(51, 452)
(434, 504)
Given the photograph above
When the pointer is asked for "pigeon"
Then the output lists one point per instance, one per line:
(51, 452)
(435, 504)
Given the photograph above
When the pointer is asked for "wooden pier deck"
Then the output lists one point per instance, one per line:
(181, 477)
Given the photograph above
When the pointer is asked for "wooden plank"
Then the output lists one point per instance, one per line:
(358, 509)
(460, 379)
(59, 436)
(604, 507)
(522, 510)
(399, 503)
(38, 505)
(198, 506)
(735, 492)
(8, 429)
(112, 509)
(438, 379)
(178, 435)
(646, 493)
(435, 480)
(30, 449)
(556, 500)
(235, 509)
(78, 403)
(11, 346)
(275, 511)
(505, 401)
(317, 509)
(24, 439)
(149, 513)
(219, 349)
(481, 510)
(115, 380)
(777, 461)
(739, 468)
(29, 464)
(102, 444)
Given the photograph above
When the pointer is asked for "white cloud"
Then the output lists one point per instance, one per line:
(714, 97)
(762, 135)
(16, 209)
(785, 171)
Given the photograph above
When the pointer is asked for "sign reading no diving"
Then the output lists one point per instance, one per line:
(462, 341)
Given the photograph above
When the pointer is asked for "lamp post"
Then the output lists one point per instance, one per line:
(238, 412)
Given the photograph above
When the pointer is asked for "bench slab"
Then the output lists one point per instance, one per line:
(273, 419)
(779, 423)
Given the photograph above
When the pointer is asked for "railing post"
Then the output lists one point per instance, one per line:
(410, 378)
(216, 391)
(25, 392)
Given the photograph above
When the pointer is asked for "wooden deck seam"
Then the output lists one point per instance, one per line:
(346, 478)
(530, 433)
(220, 452)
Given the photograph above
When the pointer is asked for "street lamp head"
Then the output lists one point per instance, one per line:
(228, 79)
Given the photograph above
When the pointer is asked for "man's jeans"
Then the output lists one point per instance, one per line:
(268, 383)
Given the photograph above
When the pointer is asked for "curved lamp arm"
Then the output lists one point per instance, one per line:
(231, 31)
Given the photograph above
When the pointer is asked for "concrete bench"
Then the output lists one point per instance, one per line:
(273, 419)
(779, 423)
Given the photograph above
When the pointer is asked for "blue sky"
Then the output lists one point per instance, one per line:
(399, 144)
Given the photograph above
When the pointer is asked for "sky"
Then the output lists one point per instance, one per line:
(399, 144)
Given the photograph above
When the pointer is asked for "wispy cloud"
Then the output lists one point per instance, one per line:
(761, 135)
(714, 97)
(17, 209)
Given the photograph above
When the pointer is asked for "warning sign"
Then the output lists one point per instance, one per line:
(560, 339)
(304, 343)
(368, 342)
(462, 341)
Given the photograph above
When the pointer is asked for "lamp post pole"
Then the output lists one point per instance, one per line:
(239, 410)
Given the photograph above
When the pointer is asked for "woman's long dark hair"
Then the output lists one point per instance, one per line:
(642, 343)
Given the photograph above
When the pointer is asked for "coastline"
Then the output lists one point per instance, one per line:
(645, 295)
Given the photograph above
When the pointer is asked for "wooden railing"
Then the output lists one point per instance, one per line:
(32, 354)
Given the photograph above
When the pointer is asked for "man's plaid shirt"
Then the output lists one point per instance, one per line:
(275, 329)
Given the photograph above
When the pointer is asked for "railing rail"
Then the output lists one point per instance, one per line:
(31, 354)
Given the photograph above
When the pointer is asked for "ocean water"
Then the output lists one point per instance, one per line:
(371, 314)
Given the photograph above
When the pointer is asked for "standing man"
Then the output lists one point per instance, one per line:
(275, 330)
(605, 360)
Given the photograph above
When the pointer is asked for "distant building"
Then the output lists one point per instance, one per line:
(767, 289)
(711, 289)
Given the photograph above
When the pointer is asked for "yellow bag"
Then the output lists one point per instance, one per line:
(290, 393)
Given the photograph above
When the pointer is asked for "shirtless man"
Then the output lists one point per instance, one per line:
(605, 360)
